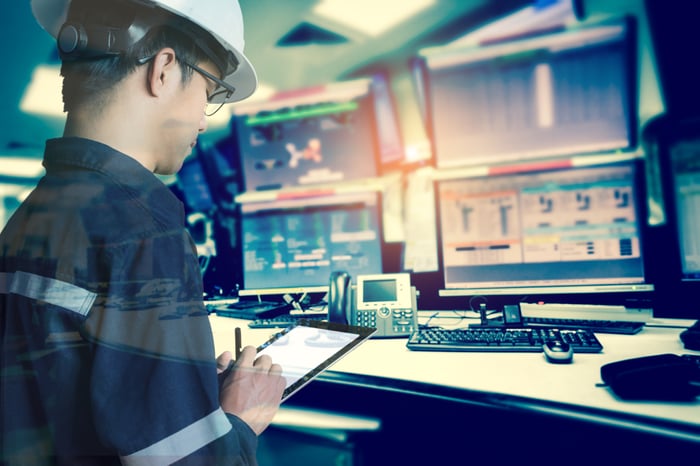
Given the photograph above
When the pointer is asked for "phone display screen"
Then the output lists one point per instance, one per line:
(379, 290)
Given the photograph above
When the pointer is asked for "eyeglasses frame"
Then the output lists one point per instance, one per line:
(224, 87)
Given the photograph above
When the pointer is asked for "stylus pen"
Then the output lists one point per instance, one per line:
(238, 342)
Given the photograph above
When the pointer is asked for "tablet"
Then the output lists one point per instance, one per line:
(308, 347)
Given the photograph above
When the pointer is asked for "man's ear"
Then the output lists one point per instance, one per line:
(164, 71)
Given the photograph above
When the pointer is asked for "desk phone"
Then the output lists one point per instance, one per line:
(386, 302)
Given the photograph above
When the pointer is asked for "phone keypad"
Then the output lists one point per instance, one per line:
(367, 319)
(403, 320)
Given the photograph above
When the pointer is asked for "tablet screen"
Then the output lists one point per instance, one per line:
(309, 347)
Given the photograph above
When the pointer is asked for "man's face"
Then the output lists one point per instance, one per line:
(184, 120)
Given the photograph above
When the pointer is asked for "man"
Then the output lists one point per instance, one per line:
(107, 353)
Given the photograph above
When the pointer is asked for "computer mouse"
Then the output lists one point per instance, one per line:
(558, 352)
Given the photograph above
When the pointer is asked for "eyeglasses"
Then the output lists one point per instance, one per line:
(222, 91)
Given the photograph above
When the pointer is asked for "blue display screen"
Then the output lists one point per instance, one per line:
(298, 243)
(306, 142)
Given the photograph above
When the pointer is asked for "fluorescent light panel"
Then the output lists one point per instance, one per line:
(21, 167)
(43, 94)
(372, 17)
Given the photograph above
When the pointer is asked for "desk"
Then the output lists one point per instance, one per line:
(514, 382)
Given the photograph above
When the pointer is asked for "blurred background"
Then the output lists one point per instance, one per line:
(311, 52)
(294, 44)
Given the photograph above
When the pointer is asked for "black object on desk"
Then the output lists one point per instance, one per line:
(594, 325)
(691, 337)
(512, 317)
(252, 310)
(661, 377)
(501, 339)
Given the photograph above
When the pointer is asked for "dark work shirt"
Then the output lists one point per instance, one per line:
(107, 352)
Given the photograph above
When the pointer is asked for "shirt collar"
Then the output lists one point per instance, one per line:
(85, 153)
(70, 153)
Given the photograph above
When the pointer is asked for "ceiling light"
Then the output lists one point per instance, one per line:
(44, 92)
(370, 16)
(21, 167)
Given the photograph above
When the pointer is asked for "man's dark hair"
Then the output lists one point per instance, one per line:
(90, 80)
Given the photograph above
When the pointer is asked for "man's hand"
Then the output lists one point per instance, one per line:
(253, 390)
(223, 361)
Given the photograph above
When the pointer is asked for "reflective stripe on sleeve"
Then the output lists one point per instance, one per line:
(182, 443)
(50, 290)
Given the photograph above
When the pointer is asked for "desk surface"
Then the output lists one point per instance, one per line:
(522, 379)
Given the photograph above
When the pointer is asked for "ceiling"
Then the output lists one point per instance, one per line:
(313, 63)
(310, 59)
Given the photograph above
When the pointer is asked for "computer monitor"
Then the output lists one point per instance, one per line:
(563, 231)
(208, 183)
(677, 239)
(193, 184)
(209, 178)
(558, 94)
(685, 184)
(292, 245)
(305, 137)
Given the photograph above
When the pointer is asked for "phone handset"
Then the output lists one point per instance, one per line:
(339, 299)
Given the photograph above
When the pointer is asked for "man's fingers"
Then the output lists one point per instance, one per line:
(263, 362)
(223, 361)
(275, 369)
(247, 357)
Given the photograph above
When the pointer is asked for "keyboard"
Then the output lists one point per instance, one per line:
(501, 339)
(284, 320)
(600, 326)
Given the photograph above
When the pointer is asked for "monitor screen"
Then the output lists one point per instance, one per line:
(571, 230)
(564, 93)
(316, 136)
(685, 179)
(196, 191)
(293, 245)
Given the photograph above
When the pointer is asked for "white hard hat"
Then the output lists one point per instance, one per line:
(221, 18)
